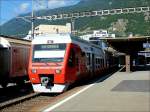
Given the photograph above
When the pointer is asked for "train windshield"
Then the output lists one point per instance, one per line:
(48, 53)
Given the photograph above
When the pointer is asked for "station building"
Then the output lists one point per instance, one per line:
(49, 29)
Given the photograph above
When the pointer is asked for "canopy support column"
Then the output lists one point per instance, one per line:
(128, 66)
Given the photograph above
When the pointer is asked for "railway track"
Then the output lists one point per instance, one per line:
(14, 91)
(17, 100)
(13, 99)
(35, 101)
(25, 104)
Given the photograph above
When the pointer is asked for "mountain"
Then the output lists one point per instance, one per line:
(123, 24)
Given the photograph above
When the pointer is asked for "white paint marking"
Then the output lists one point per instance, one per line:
(72, 96)
(121, 68)
(65, 100)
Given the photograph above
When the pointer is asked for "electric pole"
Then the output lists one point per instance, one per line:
(73, 26)
(32, 21)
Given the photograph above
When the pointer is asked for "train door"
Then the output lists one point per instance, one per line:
(4, 65)
(71, 66)
(93, 63)
(89, 63)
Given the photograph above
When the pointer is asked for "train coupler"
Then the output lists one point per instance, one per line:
(47, 82)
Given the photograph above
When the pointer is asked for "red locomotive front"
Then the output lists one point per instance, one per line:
(51, 66)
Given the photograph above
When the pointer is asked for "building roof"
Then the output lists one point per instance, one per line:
(128, 45)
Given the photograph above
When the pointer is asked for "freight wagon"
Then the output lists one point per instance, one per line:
(14, 55)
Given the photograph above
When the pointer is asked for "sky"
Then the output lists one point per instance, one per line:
(12, 8)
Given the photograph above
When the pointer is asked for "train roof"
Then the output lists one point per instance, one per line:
(16, 38)
(66, 38)
(54, 38)
(6, 41)
(60, 38)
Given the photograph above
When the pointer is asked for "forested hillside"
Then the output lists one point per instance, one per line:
(122, 25)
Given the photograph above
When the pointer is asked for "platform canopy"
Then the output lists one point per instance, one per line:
(128, 45)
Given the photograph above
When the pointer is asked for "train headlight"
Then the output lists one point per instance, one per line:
(33, 70)
(58, 71)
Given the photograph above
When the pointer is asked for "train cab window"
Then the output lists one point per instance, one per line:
(54, 53)
(71, 60)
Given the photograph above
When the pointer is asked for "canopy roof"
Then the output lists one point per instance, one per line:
(128, 45)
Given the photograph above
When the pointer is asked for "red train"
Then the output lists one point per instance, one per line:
(58, 60)
(14, 56)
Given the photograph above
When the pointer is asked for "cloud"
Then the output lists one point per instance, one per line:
(23, 7)
(43, 4)
(61, 3)
(39, 4)
(56, 3)
(51, 4)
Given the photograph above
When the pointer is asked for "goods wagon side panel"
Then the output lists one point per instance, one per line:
(4, 63)
(19, 60)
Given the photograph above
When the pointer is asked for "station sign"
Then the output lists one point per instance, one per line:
(146, 45)
(146, 54)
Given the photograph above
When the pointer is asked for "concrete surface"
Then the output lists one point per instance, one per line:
(102, 97)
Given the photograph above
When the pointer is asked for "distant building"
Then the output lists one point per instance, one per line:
(98, 34)
(102, 34)
(28, 37)
(86, 37)
(47, 29)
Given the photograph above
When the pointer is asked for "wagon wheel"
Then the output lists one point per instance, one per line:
(4, 79)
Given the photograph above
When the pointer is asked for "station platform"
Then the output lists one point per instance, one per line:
(121, 92)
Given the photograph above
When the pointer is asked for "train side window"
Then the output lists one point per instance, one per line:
(83, 54)
(89, 59)
(71, 60)
(98, 61)
(101, 62)
(77, 61)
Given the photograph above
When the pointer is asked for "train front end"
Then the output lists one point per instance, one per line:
(47, 64)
